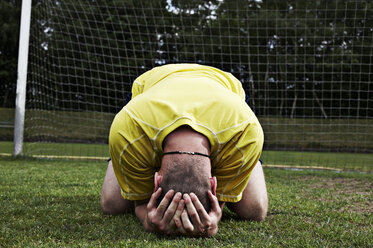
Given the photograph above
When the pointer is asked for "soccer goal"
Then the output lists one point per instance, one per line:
(306, 67)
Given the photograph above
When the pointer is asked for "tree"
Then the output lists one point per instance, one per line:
(9, 26)
(294, 58)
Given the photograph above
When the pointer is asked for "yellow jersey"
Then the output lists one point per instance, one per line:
(211, 102)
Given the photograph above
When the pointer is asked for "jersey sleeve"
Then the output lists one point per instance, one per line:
(237, 86)
(132, 157)
(138, 85)
(235, 162)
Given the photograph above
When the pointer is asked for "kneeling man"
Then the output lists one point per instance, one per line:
(183, 146)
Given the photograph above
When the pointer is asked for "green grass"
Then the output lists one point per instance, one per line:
(6, 115)
(280, 133)
(59, 149)
(332, 160)
(341, 161)
(321, 134)
(55, 203)
(84, 134)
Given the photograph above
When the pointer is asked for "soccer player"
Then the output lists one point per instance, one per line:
(182, 147)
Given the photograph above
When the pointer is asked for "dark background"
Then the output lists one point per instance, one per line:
(294, 58)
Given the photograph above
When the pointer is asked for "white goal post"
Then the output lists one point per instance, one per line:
(306, 67)
(22, 77)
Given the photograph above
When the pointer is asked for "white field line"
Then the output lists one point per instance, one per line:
(61, 157)
(106, 158)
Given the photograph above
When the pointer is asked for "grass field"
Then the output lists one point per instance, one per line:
(335, 161)
(84, 134)
(55, 203)
(280, 133)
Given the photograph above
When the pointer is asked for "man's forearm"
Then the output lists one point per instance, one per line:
(141, 213)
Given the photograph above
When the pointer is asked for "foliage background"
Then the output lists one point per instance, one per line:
(9, 32)
(314, 54)
(307, 61)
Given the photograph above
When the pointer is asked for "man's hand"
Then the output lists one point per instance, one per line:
(194, 220)
(160, 219)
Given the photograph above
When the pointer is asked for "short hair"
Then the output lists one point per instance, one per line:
(183, 175)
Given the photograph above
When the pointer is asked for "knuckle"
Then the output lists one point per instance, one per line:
(179, 224)
(162, 228)
(161, 208)
(154, 222)
(208, 223)
(193, 215)
(201, 229)
(176, 220)
(184, 214)
(199, 207)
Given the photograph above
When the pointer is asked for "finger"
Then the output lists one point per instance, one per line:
(202, 213)
(192, 212)
(215, 207)
(182, 230)
(214, 202)
(187, 225)
(164, 203)
(177, 217)
(153, 199)
(170, 212)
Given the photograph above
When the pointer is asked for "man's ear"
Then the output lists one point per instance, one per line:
(214, 184)
(157, 181)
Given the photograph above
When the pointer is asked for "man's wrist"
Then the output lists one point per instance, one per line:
(141, 213)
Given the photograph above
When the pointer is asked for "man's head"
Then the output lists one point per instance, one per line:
(185, 174)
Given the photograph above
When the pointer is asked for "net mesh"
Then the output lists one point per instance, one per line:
(306, 67)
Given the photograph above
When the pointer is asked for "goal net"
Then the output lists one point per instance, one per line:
(306, 67)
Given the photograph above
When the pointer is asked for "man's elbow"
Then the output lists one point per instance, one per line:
(109, 207)
(257, 213)
(115, 207)
(260, 214)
